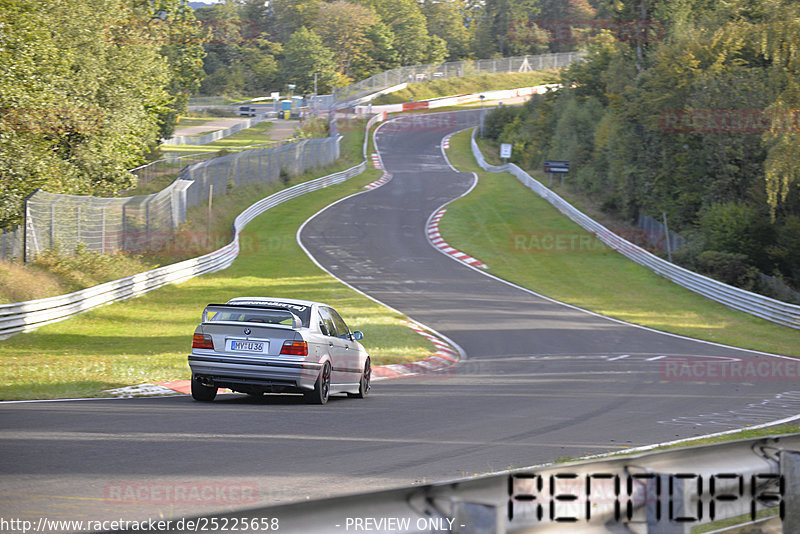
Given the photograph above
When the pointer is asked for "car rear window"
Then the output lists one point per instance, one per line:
(303, 312)
(283, 317)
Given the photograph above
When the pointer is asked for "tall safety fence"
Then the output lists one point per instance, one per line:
(147, 222)
(455, 69)
(29, 315)
(659, 236)
(172, 166)
(11, 243)
(733, 297)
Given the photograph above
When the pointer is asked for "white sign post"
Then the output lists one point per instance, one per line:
(505, 151)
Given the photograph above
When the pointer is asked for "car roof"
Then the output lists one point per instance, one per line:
(297, 302)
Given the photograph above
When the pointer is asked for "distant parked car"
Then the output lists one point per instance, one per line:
(257, 345)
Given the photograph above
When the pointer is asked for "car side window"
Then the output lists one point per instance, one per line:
(341, 327)
(326, 322)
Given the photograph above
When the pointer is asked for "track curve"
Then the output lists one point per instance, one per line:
(541, 381)
(599, 377)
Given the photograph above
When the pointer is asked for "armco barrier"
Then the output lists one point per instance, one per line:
(29, 315)
(648, 492)
(212, 136)
(739, 299)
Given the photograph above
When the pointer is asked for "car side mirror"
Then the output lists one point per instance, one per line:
(358, 335)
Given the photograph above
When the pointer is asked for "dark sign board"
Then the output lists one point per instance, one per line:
(556, 166)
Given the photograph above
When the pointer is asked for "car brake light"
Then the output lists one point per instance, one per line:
(202, 341)
(295, 348)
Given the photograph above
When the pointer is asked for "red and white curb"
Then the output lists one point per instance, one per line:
(376, 161)
(144, 390)
(438, 241)
(446, 142)
(381, 181)
(445, 356)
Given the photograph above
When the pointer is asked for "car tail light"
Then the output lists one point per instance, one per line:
(202, 341)
(295, 348)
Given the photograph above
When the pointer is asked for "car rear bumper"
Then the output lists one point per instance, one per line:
(247, 373)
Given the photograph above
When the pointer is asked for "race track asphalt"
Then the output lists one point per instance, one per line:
(540, 381)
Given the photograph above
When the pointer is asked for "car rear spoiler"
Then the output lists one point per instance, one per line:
(214, 308)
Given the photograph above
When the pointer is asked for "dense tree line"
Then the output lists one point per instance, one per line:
(699, 122)
(87, 89)
(261, 46)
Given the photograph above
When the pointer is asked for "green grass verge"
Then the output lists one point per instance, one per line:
(147, 339)
(153, 186)
(467, 85)
(255, 135)
(766, 432)
(525, 240)
(185, 122)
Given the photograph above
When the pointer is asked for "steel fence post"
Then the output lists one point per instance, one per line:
(790, 469)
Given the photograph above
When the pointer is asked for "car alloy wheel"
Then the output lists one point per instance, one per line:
(365, 383)
(322, 387)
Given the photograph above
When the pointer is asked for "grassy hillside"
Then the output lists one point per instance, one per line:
(466, 85)
(525, 240)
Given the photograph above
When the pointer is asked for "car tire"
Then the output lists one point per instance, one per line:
(203, 393)
(365, 383)
(322, 387)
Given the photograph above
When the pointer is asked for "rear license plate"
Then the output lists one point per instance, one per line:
(238, 345)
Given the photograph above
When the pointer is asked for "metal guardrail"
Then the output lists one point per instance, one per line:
(211, 136)
(649, 492)
(738, 299)
(29, 315)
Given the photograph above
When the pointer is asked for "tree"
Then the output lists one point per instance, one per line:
(407, 23)
(305, 55)
(497, 22)
(381, 54)
(83, 92)
(172, 24)
(226, 37)
(445, 19)
(344, 29)
(260, 68)
(288, 16)
(779, 40)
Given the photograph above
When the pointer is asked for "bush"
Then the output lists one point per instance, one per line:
(729, 267)
(738, 228)
(85, 268)
(497, 120)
